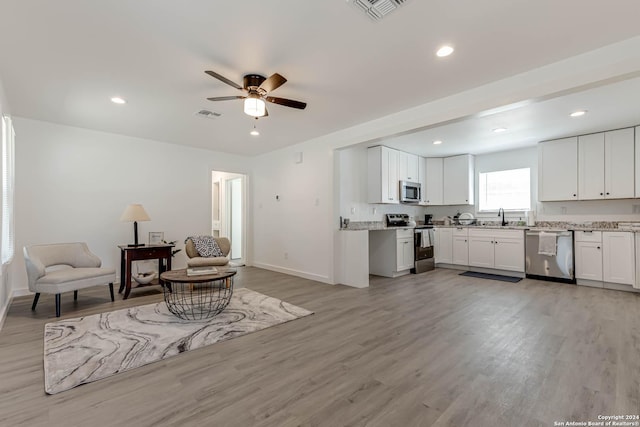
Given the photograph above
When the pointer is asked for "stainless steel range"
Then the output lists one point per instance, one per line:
(423, 240)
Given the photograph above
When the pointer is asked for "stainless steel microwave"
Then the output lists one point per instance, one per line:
(410, 192)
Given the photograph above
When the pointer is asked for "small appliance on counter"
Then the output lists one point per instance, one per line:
(428, 219)
(397, 220)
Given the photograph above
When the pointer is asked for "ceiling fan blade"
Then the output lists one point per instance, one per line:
(287, 102)
(224, 80)
(273, 82)
(226, 98)
(266, 112)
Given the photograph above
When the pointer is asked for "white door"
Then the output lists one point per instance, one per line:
(591, 166)
(434, 185)
(481, 251)
(619, 164)
(637, 162)
(235, 217)
(588, 260)
(558, 169)
(618, 263)
(509, 254)
(460, 250)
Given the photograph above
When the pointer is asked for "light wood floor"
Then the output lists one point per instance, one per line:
(435, 349)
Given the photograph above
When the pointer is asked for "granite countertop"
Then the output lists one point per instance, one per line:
(540, 226)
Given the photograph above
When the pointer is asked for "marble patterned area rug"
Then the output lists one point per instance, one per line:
(85, 349)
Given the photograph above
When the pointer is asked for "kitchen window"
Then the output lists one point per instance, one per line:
(507, 189)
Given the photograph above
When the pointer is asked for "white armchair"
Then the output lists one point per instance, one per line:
(64, 267)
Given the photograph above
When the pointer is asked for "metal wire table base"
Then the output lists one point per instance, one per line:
(197, 301)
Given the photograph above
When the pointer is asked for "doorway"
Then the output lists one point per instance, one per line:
(228, 191)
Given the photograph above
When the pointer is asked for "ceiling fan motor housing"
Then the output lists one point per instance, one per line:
(253, 80)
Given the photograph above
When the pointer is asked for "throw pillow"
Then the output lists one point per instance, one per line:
(206, 246)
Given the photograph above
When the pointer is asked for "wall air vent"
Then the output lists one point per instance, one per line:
(378, 9)
(207, 114)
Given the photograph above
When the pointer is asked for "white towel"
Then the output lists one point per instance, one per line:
(426, 238)
(547, 244)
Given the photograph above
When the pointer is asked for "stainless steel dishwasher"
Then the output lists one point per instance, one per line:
(539, 264)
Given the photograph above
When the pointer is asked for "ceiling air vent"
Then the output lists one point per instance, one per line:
(378, 9)
(208, 114)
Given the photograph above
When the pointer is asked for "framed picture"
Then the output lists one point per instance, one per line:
(156, 237)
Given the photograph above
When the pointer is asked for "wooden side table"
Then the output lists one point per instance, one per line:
(139, 253)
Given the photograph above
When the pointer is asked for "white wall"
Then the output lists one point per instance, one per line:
(5, 286)
(73, 184)
(293, 211)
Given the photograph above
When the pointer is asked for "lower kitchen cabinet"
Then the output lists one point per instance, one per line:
(498, 249)
(618, 257)
(605, 257)
(391, 252)
(460, 247)
(443, 246)
(404, 253)
(588, 253)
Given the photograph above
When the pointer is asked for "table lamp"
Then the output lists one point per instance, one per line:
(135, 213)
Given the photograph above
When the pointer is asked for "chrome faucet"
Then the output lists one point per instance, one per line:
(503, 221)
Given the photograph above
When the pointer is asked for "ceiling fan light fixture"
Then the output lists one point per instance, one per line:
(254, 106)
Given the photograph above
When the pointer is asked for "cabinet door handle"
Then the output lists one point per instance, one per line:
(608, 193)
(597, 247)
(602, 194)
(574, 195)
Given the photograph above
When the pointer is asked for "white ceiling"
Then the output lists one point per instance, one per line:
(61, 61)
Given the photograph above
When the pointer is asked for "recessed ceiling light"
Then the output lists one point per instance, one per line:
(500, 130)
(254, 132)
(437, 142)
(118, 100)
(578, 113)
(444, 51)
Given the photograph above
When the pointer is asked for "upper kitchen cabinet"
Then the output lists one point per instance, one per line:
(637, 167)
(558, 169)
(408, 167)
(382, 173)
(606, 165)
(458, 180)
(433, 187)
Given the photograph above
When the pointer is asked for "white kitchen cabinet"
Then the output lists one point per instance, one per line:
(404, 254)
(458, 173)
(391, 252)
(588, 255)
(382, 173)
(422, 179)
(495, 248)
(481, 252)
(408, 167)
(460, 248)
(637, 165)
(558, 169)
(606, 165)
(443, 246)
(434, 187)
(618, 257)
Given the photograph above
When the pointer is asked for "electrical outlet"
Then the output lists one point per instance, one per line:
(353, 211)
(636, 209)
(375, 211)
(286, 255)
(563, 209)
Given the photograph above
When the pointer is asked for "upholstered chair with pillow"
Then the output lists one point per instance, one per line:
(64, 267)
(207, 251)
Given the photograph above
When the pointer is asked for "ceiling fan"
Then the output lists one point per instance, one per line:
(257, 87)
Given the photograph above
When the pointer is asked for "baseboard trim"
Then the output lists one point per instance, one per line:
(4, 310)
(292, 272)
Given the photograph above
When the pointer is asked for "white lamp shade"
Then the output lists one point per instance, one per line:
(134, 212)
(254, 106)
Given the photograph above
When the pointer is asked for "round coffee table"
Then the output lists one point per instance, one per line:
(197, 297)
